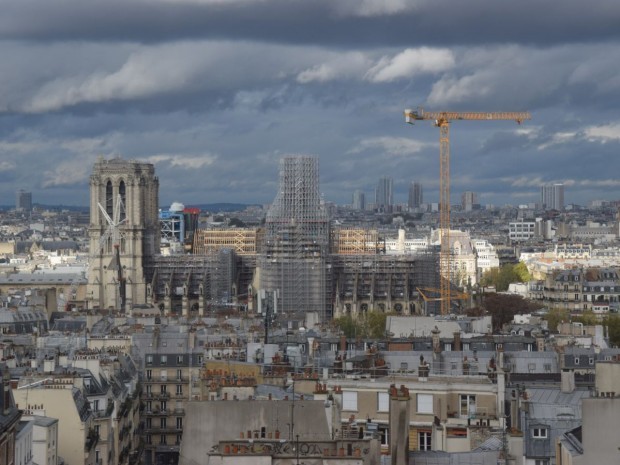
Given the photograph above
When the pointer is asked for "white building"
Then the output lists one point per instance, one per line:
(23, 443)
(552, 196)
(44, 440)
(486, 255)
(521, 230)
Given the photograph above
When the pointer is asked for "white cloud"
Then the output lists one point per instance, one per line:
(6, 166)
(68, 173)
(145, 73)
(348, 65)
(524, 181)
(399, 146)
(449, 90)
(558, 138)
(411, 62)
(369, 8)
(605, 133)
(597, 183)
(20, 147)
(183, 161)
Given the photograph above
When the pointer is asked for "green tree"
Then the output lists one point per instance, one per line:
(522, 272)
(347, 325)
(503, 307)
(613, 324)
(370, 325)
(375, 322)
(555, 317)
(502, 277)
(587, 319)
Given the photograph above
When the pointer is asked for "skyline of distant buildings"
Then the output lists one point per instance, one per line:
(551, 198)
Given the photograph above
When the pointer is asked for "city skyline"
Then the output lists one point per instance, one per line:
(214, 93)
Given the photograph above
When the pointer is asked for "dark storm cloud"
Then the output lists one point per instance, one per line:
(348, 23)
(214, 92)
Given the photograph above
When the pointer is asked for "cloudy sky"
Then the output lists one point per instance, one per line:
(214, 92)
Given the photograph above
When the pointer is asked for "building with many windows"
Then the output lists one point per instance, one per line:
(171, 371)
(359, 200)
(552, 196)
(23, 200)
(416, 197)
(384, 194)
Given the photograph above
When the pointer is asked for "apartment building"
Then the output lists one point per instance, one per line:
(44, 440)
(59, 396)
(171, 380)
(23, 443)
(447, 413)
(520, 231)
(595, 439)
(9, 420)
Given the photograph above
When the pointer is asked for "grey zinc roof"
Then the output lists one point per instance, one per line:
(454, 458)
(42, 278)
(539, 397)
(44, 421)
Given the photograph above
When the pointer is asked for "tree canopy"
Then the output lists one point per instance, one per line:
(368, 326)
(503, 307)
(501, 277)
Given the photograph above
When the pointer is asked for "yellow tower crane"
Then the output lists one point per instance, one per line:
(442, 120)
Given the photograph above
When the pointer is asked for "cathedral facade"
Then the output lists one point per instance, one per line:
(124, 232)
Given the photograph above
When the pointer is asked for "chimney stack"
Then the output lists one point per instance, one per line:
(399, 424)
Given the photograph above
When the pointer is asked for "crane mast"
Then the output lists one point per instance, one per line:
(442, 120)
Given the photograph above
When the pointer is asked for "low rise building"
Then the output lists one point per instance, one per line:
(44, 440)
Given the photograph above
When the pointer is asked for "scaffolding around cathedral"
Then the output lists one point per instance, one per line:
(295, 262)
(193, 284)
(244, 241)
(384, 283)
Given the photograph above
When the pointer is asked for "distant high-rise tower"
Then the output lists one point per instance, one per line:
(415, 195)
(552, 196)
(359, 200)
(469, 201)
(124, 201)
(23, 201)
(294, 262)
(384, 197)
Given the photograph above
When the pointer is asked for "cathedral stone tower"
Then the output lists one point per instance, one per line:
(124, 237)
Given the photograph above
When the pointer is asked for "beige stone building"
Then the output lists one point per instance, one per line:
(124, 203)
(596, 441)
(58, 397)
(447, 413)
(44, 440)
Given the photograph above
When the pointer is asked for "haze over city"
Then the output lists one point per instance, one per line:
(215, 92)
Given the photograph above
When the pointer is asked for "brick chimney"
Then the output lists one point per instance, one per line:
(399, 424)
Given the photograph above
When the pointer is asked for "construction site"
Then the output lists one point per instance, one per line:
(307, 266)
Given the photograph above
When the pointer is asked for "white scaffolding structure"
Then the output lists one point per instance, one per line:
(295, 259)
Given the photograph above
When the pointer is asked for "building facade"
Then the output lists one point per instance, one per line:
(23, 201)
(552, 196)
(359, 200)
(124, 231)
(384, 194)
(415, 195)
(469, 201)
